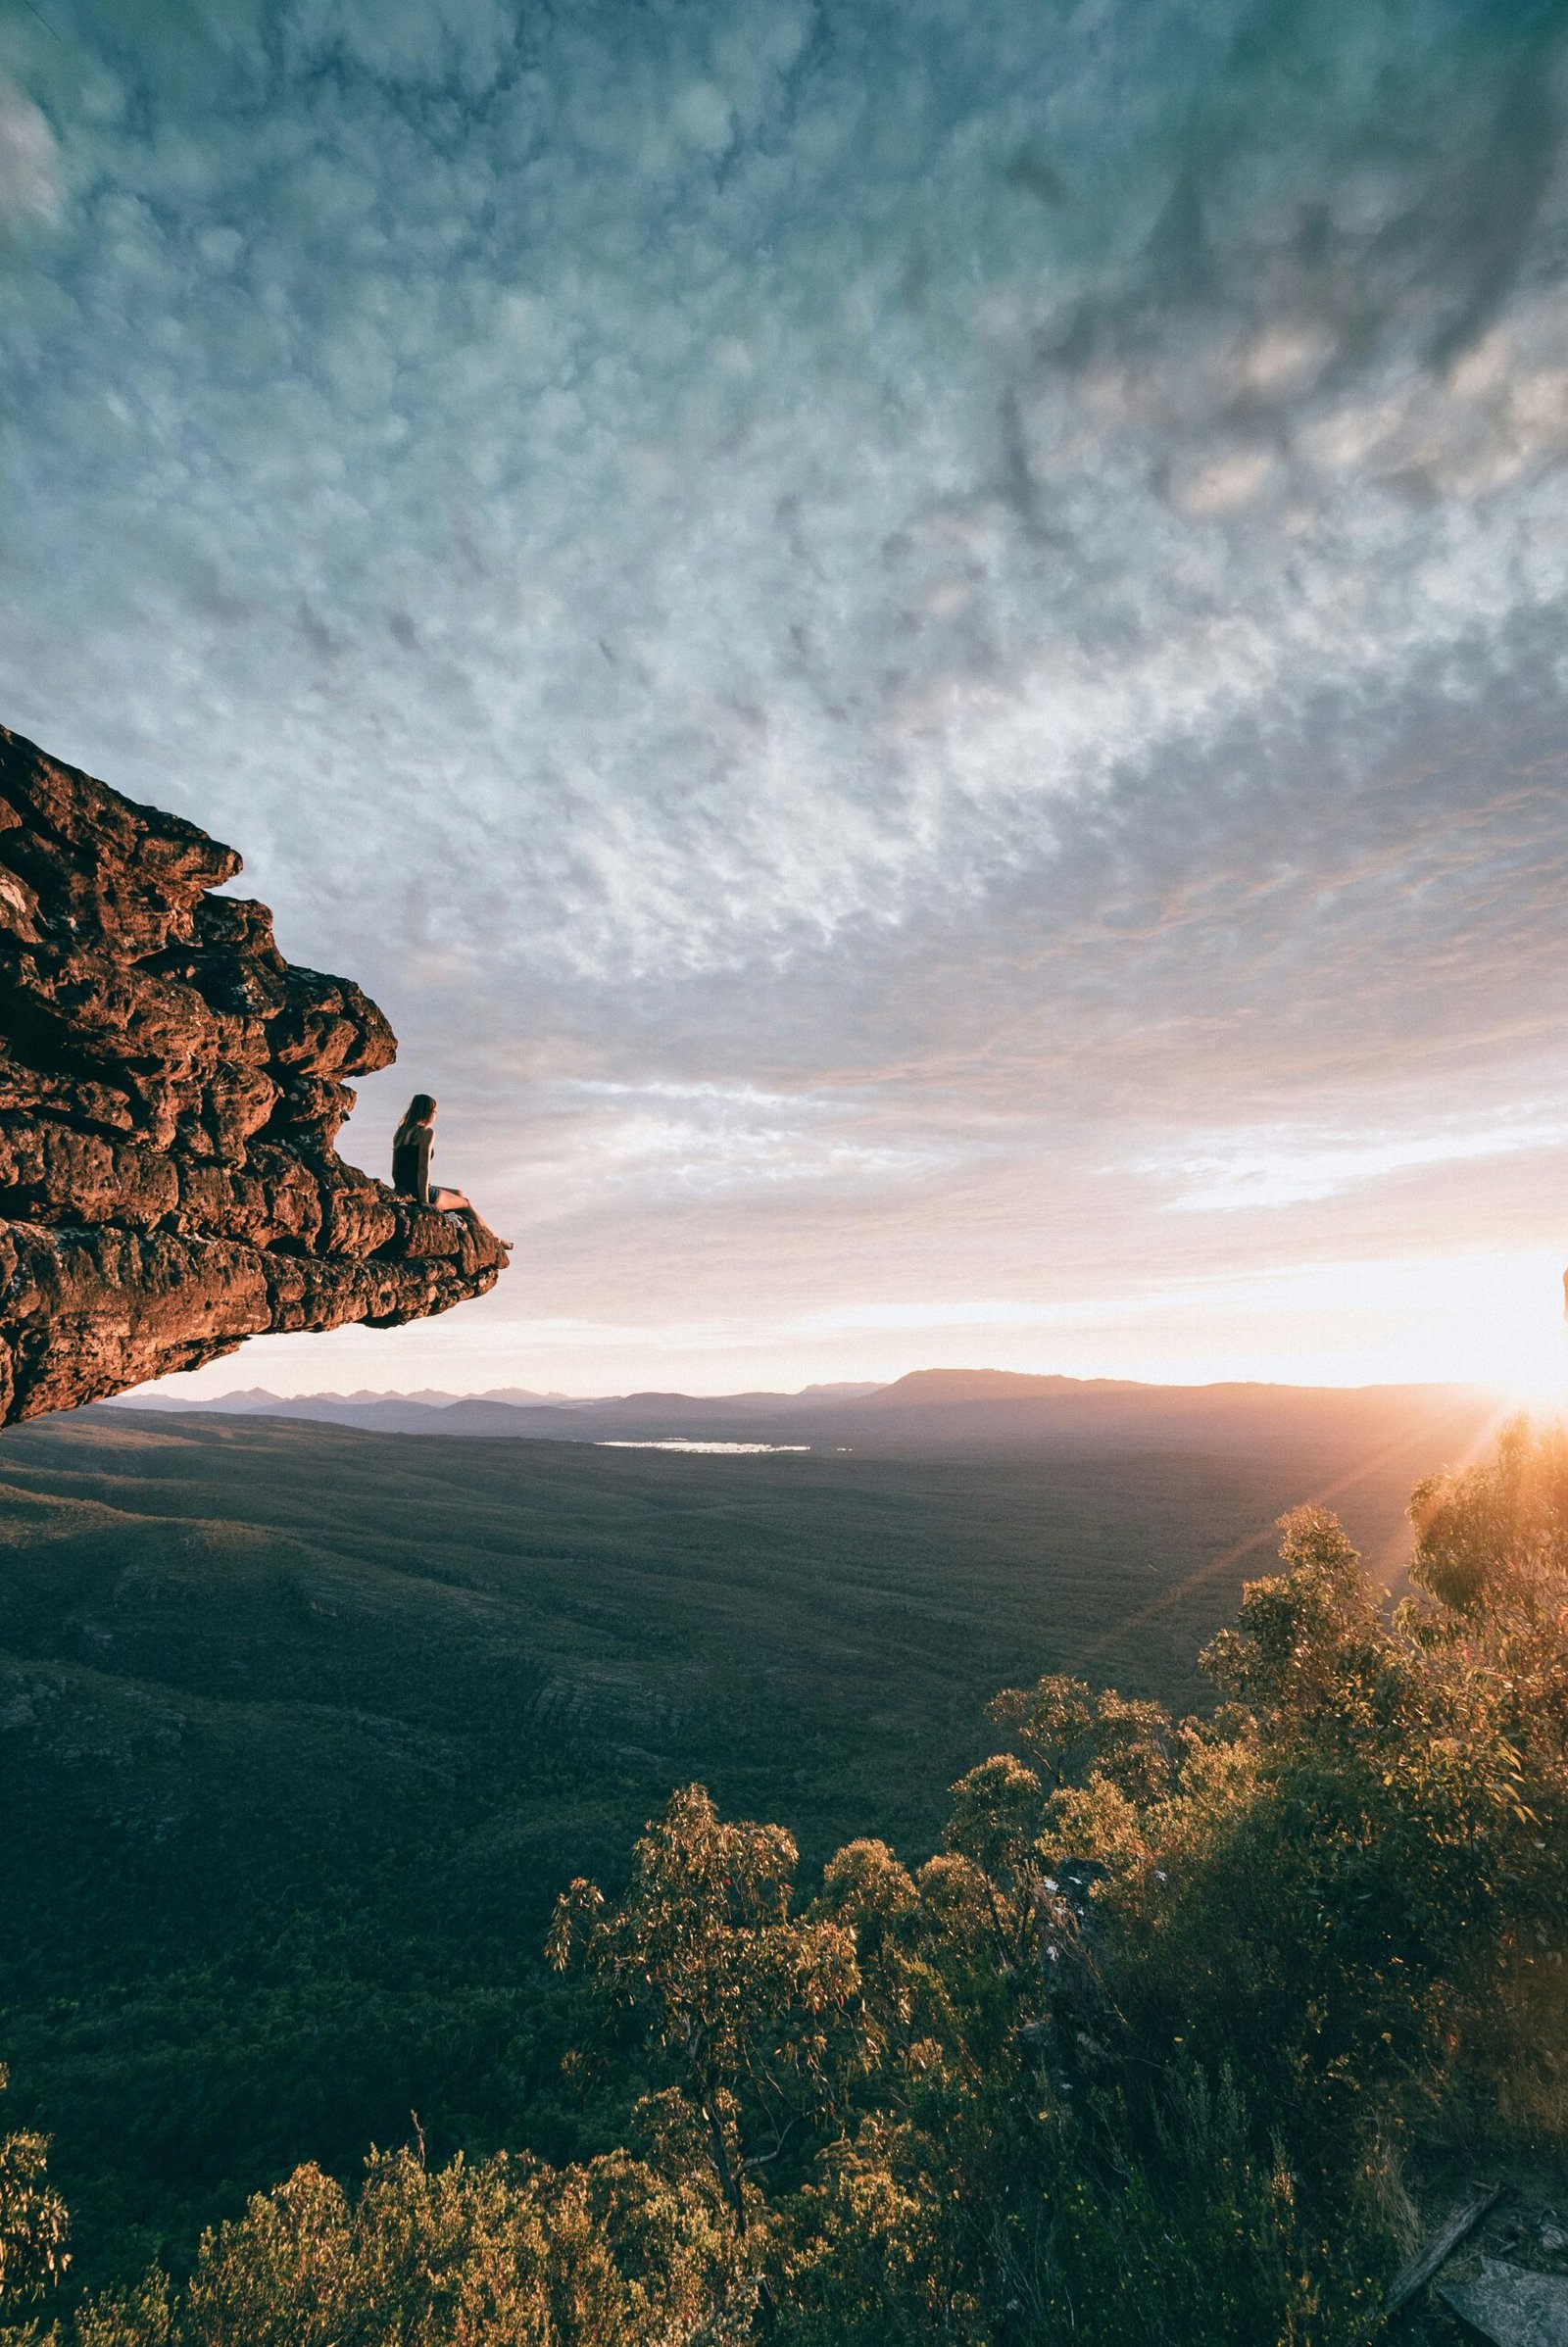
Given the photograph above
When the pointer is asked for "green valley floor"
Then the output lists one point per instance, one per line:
(302, 1729)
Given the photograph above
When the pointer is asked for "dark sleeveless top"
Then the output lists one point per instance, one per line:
(410, 1165)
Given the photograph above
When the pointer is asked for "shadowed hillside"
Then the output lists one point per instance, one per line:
(303, 1728)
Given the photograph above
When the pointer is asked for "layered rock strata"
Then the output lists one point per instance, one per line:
(171, 1092)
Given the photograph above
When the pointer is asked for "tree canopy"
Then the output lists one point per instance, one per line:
(1152, 2049)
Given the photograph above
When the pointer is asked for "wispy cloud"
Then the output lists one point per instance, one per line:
(1234, 1172)
(29, 162)
(1002, 570)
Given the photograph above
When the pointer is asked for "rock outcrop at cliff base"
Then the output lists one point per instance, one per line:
(171, 1092)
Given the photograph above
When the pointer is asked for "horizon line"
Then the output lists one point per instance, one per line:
(521, 1397)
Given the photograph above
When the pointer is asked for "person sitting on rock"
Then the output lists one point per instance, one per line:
(411, 1145)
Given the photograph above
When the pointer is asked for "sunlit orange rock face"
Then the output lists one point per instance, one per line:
(171, 1092)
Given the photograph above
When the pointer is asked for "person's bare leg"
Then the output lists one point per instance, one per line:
(449, 1200)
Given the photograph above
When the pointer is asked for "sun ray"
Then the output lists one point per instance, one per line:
(1265, 1537)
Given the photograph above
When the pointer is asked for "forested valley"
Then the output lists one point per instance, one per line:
(1181, 2033)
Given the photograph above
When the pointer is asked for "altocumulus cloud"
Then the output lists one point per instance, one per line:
(28, 189)
(994, 572)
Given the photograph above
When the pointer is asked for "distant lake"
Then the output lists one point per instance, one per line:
(680, 1442)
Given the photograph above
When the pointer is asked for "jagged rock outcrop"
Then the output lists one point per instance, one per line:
(170, 1092)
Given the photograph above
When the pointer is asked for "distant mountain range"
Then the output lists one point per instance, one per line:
(930, 1410)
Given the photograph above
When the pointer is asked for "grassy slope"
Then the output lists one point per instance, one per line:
(303, 1728)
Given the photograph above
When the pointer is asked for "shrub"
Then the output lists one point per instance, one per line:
(1137, 2057)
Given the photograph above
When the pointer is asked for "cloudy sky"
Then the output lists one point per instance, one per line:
(919, 645)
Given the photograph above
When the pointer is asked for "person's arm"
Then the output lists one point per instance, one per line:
(421, 1165)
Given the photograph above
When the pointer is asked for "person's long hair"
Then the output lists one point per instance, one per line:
(418, 1113)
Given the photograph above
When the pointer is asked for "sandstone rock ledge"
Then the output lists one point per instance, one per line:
(171, 1092)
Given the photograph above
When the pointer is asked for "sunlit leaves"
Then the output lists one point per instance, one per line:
(744, 2000)
(34, 2224)
(507, 2252)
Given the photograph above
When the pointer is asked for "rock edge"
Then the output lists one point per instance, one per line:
(170, 1093)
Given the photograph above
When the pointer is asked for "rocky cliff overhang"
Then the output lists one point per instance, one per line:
(170, 1092)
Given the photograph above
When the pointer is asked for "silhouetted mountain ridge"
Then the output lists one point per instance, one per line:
(930, 1411)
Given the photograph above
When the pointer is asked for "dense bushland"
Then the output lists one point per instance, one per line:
(301, 1731)
(1153, 2051)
